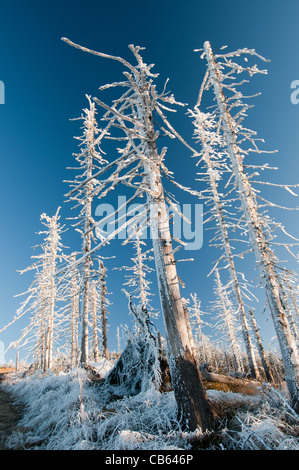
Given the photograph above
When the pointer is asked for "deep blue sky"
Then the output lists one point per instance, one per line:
(46, 80)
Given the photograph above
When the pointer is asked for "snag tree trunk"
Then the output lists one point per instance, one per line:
(262, 251)
(260, 347)
(193, 406)
(230, 261)
(103, 310)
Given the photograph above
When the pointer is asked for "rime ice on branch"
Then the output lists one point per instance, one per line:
(137, 277)
(231, 109)
(227, 321)
(214, 158)
(90, 159)
(139, 167)
(197, 324)
(42, 296)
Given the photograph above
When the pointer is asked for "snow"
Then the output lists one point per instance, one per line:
(65, 411)
(102, 367)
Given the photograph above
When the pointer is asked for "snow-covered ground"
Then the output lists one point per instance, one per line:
(102, 367)
(66, 411)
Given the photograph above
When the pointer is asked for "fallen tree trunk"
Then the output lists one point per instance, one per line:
(234, 384)
(245, 386)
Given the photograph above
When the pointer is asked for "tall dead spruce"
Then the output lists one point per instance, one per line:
(220, 76)
(227, 321)
(139, 167)
(90, 159)
(42, 296)
(215, 163)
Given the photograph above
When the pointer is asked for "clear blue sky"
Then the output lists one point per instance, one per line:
(46, 80)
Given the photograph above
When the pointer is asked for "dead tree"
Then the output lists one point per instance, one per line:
(139, 167)
(227, 321)
(260, 347)
(213, 158)
(103, 310)
(42, 295)
(90, 159)
(219, 76)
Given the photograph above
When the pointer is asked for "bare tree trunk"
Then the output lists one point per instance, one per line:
(103, 310)
(201, 338)
(74, 318)
(118, 340)
(231, 332)
(193, 406)
(17, 361)
(46, 361)
(51, 317)
(290, 319)
(85, 303)
(53, 236)
(292, 297)
(189, 329)
(260, 347)
(42, 326)
(94, 323)
(258, 240)
(231, 266)
(86, 249)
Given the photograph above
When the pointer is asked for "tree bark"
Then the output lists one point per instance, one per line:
(87, 241)
(194, 408)
(103, 311)
(74, 317)
(231, 267)
(264, 256)
(94, 323)
(230, 330)
(260, 348)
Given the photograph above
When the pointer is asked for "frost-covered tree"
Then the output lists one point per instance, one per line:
(90, 159)
(197, 323)
(74, 321)
(118, 339)
(95, 340)
(189, 327)
(35, 306)
(94, 320)
(227, 321)
(52, 253)
(137, 277)
(291, 289)
(214, 159)
(103, 307)
(289, 312)
(231, 109)
(42, 295)
(70, 288)
(260, 346)
(139, 167)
